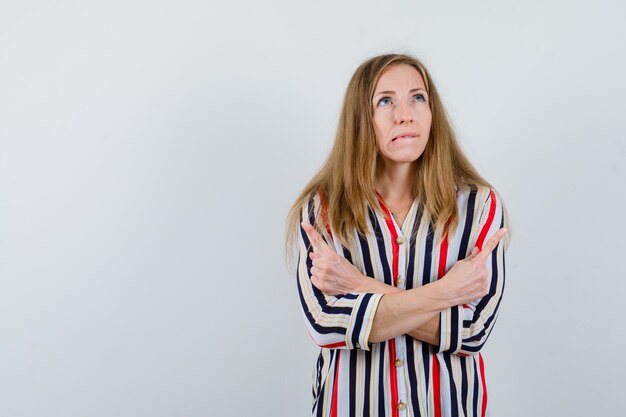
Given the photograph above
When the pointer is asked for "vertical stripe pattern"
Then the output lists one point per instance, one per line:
(403, 376)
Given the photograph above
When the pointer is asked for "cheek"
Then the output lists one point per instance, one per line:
(379, 142)
(428, 118)
(380, 128)
(379, 122)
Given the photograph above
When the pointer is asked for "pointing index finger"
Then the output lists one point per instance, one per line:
(491, 244)
(316, 239)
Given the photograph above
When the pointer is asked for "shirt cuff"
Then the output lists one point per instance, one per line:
(361, 321)
(451, 322)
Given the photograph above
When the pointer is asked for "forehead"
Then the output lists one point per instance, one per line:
(400, 76)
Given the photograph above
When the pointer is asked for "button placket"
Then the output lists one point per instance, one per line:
(399, 363)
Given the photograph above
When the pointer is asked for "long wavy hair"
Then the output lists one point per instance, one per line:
(347, 178)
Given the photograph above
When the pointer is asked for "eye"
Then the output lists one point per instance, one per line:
(420, 97)
(385, 101)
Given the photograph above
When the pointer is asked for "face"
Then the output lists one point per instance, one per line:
(402, 114)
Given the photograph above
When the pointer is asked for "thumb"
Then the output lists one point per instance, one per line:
(474, 253)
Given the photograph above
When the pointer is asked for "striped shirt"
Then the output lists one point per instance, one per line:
(403, 376)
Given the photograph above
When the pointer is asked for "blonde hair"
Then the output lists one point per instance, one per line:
(346, 180)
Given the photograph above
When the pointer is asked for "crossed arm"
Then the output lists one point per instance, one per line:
(414, 312)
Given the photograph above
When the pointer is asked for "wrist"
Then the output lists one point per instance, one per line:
(364, 283)
(441, 294)
(372, 285)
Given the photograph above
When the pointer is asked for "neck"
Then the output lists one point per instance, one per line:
(395, 181)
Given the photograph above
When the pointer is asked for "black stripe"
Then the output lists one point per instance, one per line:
(350, 296)
(454, 406)
(476, 382)
(367, 262)
(359, 318)
(411, 279)
(311, 208)
(454, 331)
(381, 378)
(334, 358)
(352, 385)
(347, 254)
(417, 221)
(322, 393)
(411, 370)
(320, 406)
(367, 382)
(469, 218)
(380, 240)
(464, 385)
(428, 254)
(318, 380)
(425, 349)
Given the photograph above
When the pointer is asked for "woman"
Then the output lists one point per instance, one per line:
(400, 272)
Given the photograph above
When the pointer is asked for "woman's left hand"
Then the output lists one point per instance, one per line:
(331, 273)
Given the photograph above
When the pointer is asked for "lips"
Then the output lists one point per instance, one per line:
(405, 135)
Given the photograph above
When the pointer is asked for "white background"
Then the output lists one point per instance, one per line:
(150, 150)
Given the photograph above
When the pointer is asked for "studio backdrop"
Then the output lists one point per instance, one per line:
(150, 151)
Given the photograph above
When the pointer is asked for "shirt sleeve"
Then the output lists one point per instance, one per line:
(343, 321)
(465, 329)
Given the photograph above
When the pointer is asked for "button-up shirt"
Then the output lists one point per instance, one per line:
(403, 376)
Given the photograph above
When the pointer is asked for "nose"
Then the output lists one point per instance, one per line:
(403, 113)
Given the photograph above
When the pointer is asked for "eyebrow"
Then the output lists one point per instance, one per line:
(393, 92)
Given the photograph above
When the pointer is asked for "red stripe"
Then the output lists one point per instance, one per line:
(324, 211)
(333, 404)
(394, 377)
(334, 345)
(482, 378)
(443, 259)
(443, 254)
(487, 226)
(395, 251)
(436, 386)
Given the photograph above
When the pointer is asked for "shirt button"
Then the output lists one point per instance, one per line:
(399, 363)
(399, 240)
(401, 406)
(356, 345)
(399, 281)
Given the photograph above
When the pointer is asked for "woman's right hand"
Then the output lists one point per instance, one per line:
(468, 280)
(331, 273)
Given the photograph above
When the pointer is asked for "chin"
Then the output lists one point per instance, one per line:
(402, 156)
(407, 157)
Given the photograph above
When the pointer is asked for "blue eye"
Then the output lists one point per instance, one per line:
(420, 97)
(384, 101)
